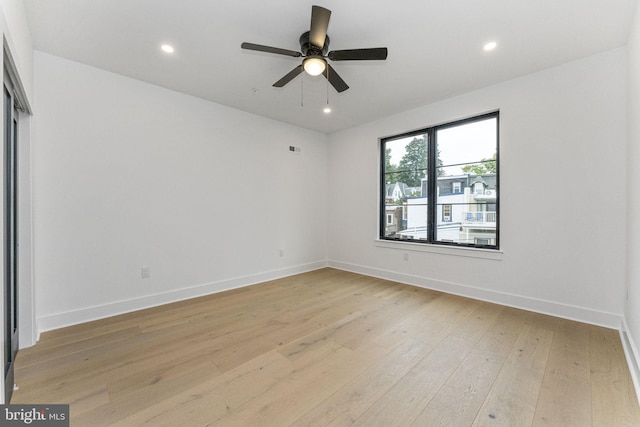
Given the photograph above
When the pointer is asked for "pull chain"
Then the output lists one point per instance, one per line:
(327, 85)
(327, 109)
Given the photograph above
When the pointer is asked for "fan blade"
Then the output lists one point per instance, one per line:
(319, 25)
(335, 80)
(269, 49)
(376, 53)
(290, 76)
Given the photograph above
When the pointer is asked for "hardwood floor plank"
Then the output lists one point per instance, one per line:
(317, 338)
(351, 401)
(614, 402)
(214, 399)
(300, 391)
(513, 396)
(461, 396)
(565, 397)
(458, 401)
(331, 347)
(47, 352)
(407, 398)
(199, 364)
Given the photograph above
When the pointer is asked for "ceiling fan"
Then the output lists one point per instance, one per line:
(314, 45)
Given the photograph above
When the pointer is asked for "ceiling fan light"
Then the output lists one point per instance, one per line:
(490, 46)
(314, 65)
(167, 48)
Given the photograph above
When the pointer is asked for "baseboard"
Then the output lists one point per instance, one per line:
(580, 314)
(632, 353)
(87, 314)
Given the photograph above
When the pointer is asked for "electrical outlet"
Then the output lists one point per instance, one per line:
(145, 272)
(405, 256)
(281, 253)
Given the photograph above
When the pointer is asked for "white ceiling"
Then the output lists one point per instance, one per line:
(435, 47)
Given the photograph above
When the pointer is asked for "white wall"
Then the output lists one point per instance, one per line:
(127, 174)
(633, 201)
(13, 21)
(562, 151)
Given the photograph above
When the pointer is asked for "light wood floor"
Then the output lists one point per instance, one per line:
(332, 348)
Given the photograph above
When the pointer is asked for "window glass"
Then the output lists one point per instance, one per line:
(405, 171)
(468, 152)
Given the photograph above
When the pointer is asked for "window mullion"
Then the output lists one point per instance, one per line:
(432, 185)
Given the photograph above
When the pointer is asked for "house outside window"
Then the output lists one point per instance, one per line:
(449, 175)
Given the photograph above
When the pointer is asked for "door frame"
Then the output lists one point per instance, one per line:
(26, 287)
(10, 235)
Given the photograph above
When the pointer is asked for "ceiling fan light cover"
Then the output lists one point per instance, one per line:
(314, 65)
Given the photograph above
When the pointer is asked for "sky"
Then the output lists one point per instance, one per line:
(460, 144)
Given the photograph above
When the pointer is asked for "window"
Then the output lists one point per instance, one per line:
(389, 219)
(451, 175)
(446, 213)
(482, 241)
(478, 188)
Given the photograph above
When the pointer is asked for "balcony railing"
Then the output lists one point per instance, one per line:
(479, 217)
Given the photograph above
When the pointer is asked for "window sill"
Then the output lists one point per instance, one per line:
(490, 254)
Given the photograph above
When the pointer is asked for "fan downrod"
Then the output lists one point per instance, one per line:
(308, 49)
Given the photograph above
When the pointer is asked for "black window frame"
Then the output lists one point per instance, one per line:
(432, 208)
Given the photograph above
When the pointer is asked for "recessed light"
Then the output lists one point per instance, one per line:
(490, 46)
(327, 110)
(167, 48)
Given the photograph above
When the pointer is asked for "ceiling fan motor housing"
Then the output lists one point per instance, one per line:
(308, 49)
